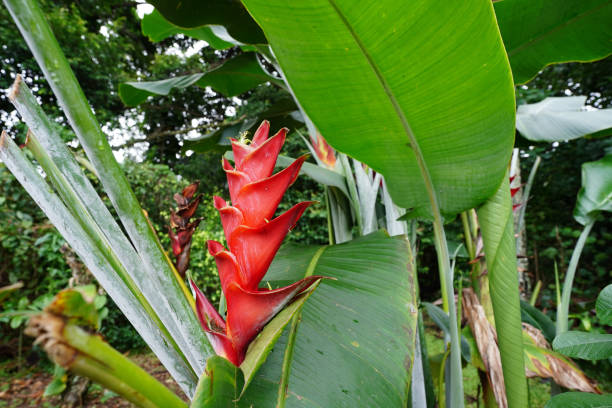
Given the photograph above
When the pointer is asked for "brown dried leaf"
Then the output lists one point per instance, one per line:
(486, 341)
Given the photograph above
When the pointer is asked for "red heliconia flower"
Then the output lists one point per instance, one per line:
(253, 237)
(181, 229)
(323, 150)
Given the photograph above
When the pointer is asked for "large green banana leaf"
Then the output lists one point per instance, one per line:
(353, 345)
(537, 33)
(420, 91)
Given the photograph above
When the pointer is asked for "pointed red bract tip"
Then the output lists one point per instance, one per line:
(261, 134)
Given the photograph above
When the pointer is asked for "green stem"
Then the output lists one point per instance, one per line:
(295, 322)
(330, 225)
(40, 39)
(536, 293)
(111, 369)
(526, 192)
(563, 307)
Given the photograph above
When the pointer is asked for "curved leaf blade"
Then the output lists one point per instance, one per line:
(355, 324)
(538, 319)
(596, 192)
(556, 119)
(157, 28)
(234, 77)
(589, 346)
(375, 66)
(496, 223)
(229, 14)
(580, 400)
(537, 33)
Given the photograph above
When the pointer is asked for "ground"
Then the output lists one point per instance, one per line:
(22, 387)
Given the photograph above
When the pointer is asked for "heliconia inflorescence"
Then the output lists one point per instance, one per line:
(253, 238)
(181, 229)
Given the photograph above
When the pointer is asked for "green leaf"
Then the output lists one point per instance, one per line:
(230, 14)
(399, 86)
(353, 325)
(234, 77)
(157, 28)
(496, 223)
(580, 400)
(219, 386)
(596, 192)
(537, 33)
(589, 346)
(604, 305)
(58, 382)
(557, 119)
(534, 317)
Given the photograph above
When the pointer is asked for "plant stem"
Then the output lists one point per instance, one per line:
(526, 192)
(103, 364)
(536, 293)
(563, 307)
(40, 39)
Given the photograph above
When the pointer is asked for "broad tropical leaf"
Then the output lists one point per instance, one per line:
(157, 28)
(234, 77)
(590, 346)
(580, 400)
(231, 15)
(604, 305)
(537, 33)
(596, 192)
(557, 119)
(425, 135)
(354, 324)
(496, 223)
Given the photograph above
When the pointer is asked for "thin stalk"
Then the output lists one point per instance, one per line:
(40, 39)
(563, 307)
(470, 244)
(103, 364)
(352, 188)
(330, 225)
(526, 192)
(80, 212)
(536, 293)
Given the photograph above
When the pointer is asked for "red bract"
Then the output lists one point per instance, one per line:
(180, 229)
(253, 237)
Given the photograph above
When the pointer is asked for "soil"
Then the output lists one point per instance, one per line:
(23, 386)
